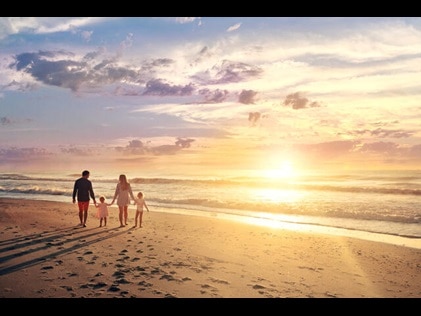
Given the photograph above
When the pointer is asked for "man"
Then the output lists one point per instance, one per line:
(83, 189)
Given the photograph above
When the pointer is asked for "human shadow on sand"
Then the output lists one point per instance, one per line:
(46, 236)
(55, 241)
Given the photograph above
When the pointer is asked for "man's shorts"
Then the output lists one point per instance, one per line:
(83, 206)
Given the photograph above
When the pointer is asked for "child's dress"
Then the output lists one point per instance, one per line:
(140, 203)
(102, 210)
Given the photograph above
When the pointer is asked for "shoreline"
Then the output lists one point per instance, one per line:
(310, 225)
(45, 255)
(404, 241)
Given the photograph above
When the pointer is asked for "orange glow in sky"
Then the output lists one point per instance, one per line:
(209, 96)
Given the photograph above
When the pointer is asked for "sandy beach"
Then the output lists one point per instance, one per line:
(44, 254)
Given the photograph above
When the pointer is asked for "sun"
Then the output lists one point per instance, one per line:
(283, 171)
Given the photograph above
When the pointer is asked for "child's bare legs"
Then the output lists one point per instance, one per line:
(105, 221)
(100, 222)
(135, 219)
(140, 219)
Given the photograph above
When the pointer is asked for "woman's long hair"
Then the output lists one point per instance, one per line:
(123, 182)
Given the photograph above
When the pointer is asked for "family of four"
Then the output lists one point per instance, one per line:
(83, 192)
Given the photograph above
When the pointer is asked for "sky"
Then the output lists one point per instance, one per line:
(209, 96)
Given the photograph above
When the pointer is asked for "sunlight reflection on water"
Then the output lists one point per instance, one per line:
(278, 195)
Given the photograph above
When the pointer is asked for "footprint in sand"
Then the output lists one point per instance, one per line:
(145, 284)
(119, 274)
(99, 285)
(170, 296)
(140, 269)
(113, 288)
(67, 288)
(219, 281)
(168, 277)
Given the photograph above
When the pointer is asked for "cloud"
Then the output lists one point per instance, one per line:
(381, 133)
(160, 88)
(45, 25)
(184, 20)
(8, 121)
(150, 65)
(329, 149)
(228, 72)
(254, 117)
(86, 35)
(234, 27)
(23, 154)
(296, 101)
(415, 151)
(57, 69)
(64, 69)
(215, 96)
(247, 96)
(184, 143)
(137, 147)
(379, 147)
(166, 150)
(128, 42)
(81, 151)
(5, 120)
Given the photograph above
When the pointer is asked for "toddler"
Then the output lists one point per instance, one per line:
(102, 211)
(140, 202)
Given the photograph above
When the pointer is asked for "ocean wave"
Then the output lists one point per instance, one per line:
(391, 187)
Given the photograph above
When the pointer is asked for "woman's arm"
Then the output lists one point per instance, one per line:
(131, 193)
(117, 192)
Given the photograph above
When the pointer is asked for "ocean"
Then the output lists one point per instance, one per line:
(376, 205)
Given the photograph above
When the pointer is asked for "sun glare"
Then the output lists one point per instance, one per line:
(285, 170)
(278, 196)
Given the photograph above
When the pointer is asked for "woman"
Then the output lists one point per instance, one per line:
(123, 192)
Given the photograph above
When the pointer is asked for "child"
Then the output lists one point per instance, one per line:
(140, 202)
(102, 212)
